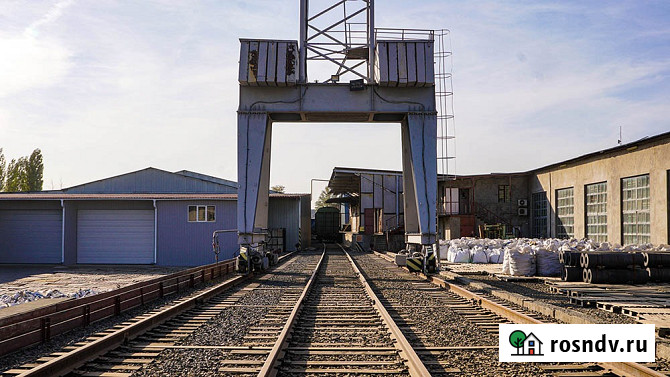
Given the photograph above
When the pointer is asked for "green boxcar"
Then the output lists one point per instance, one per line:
(327, 224)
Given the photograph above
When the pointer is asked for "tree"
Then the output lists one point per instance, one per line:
(323, 197)
(278, 188)
(3, 170)
(15, 180)
(34, 171)
(516, 339)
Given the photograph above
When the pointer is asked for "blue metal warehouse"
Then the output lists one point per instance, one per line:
(150, 216)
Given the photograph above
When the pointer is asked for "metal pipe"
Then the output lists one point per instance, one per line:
(371, 41)
(304, 15)
(62, 237)
(155, 232)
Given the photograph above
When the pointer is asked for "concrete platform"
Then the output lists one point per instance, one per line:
(71, 279)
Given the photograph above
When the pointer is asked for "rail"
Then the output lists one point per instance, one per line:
(40, 325)
(618, 368)
(269, 368)
(68, 361)
(415, 366)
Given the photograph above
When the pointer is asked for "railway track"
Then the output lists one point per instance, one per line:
(485, 313)
(326, 312)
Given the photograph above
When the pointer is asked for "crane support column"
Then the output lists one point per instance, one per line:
(419, 138)
(254, 137)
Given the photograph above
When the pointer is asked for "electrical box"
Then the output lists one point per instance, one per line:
(404, 63)
(268, 62)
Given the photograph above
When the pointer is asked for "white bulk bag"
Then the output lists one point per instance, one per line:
(547, 263)
(522, 263)
(477, 255)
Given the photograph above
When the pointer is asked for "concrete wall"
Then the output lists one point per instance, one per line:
(652, 159)
(483, 202)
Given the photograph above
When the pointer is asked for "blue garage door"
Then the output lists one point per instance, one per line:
(31, 236)
(115, 236)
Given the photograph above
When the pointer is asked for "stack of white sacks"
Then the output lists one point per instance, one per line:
(526, 256)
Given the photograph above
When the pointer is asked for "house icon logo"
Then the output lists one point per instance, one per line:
(526, 345)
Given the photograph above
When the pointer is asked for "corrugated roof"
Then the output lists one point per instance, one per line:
(59, 196)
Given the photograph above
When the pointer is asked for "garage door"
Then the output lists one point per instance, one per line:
(31, 236)
(115, 236)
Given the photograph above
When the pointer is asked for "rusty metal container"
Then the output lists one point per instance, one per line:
(405, 63)
(266, 62)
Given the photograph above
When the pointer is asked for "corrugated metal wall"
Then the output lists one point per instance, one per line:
(184, 243)
(283, 213)
(305, 220)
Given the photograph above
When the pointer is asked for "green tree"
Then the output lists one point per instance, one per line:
(516, 339)
(323, 197)
(34, 171)
(278, 188)
(16, 173)
(3, 170)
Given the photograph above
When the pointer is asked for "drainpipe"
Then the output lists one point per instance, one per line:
(155, 230)
(62, 235)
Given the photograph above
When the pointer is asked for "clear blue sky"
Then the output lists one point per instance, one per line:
(106, 87)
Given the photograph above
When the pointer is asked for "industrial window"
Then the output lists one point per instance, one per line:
(540, 215)
(565, 213)
(201, 214)
(636, 217)
(596, 212)
(504, 195)
(450, 206)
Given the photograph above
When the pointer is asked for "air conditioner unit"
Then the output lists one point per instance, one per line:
(523, 211)
(522, 203)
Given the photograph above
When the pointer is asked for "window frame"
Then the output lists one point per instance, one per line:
(565, 222)
(539, 213)
(506, 196)
(635, 207)
(206, 208)
(595, 208)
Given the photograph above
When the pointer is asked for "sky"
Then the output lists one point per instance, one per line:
(107, 87)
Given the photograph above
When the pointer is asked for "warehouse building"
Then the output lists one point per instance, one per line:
(619, 195)
(371, 203)
(149, 216)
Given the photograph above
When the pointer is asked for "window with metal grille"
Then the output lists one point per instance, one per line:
(504, 195)
(201, 214)
(635, 214)
(565, 213)
(540, 214)
(596, 211)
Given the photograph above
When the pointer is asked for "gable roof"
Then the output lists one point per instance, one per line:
(533, 335)
(209, 178)
(152, 180)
